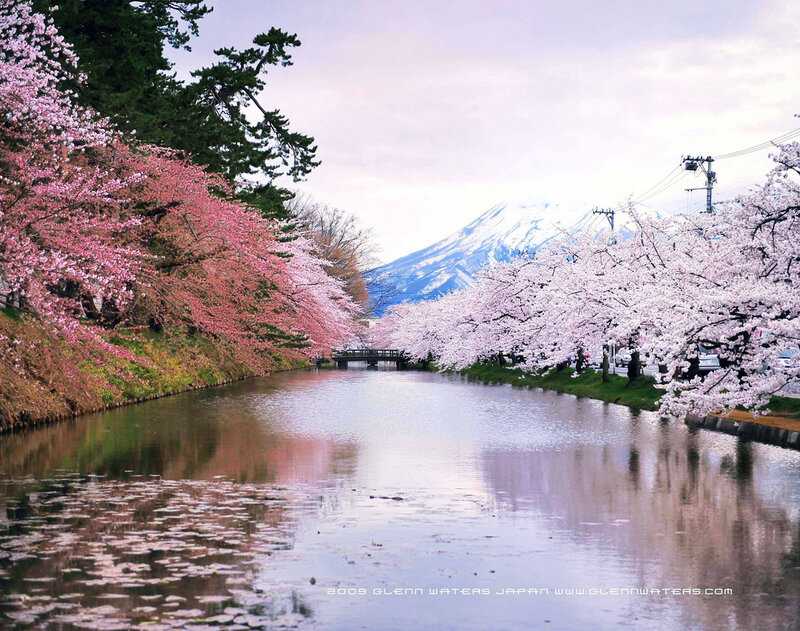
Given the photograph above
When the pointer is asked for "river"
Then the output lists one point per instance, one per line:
(394, 500)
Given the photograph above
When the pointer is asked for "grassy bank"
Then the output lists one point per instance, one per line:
(785, 406)
(42, 378)
(642, 394)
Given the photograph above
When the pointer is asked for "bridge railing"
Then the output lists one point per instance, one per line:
(368, 353)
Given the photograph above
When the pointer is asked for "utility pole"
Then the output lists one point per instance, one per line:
(692, 163)
(609, 350)
(609, 215)
(608, 212)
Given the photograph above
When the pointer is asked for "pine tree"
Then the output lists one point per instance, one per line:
(122, 44)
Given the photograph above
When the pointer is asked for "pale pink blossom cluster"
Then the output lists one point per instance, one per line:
(329, 312)
(35, 62)
(61, 212)
(727, 282)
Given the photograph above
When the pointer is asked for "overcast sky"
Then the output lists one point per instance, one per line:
(428, 112)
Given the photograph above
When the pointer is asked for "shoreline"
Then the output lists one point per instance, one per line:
(44, 421)
(775, 430)
(772, 430)
(19, 425)
(49, 419)
(642, 395)
(48, 380)
(781, 431)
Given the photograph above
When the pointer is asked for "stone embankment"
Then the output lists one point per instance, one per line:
(774, 430)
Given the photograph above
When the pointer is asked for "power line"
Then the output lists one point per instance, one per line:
(677, 172)
(661, 181)
(762, 145)
(675, 177)
(689, 164)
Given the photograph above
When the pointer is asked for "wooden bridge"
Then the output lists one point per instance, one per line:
(369, 355)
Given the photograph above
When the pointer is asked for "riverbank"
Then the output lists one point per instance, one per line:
(44, 379)
(642, 394)
(774, 430)
(781, 426)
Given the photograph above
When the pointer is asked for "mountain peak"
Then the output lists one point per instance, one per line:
(501, 232)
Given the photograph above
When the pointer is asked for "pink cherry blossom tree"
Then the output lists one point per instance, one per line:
(62, 217)
(91, 227)
(219, 267)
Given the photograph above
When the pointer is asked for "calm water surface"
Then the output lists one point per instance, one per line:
(394, 500)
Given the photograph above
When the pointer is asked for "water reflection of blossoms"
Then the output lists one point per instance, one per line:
(658, 500)
(108, 554)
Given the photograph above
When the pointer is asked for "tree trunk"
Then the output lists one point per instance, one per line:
(580, 361)
(605, 363)
(694, 367)
(155, 325)
(634, 366)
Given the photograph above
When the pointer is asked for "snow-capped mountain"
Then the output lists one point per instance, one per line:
(502, 232)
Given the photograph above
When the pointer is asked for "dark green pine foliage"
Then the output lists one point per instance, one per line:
(216, 117)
